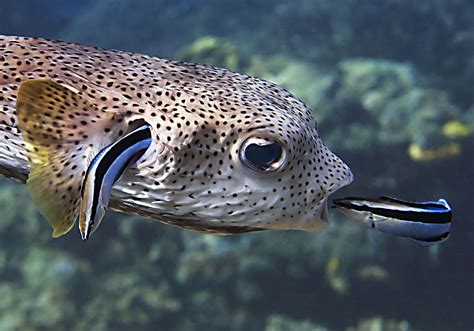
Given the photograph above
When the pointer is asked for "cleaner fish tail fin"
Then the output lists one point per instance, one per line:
(62, 132)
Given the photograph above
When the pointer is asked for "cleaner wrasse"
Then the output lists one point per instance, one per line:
(427, 223)
(103, 172)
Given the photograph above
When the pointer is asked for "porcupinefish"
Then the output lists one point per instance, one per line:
(227, 153)
(427, 223)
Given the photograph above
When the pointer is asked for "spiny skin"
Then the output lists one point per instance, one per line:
(200, 115)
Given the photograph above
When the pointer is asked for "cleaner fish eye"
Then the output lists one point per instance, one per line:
(262, 154)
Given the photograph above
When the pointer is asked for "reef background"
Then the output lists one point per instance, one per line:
(391, 83)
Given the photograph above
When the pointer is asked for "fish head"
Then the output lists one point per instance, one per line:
(356, 209)
(248, 156)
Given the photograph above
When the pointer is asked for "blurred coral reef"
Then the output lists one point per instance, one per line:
(391, 86)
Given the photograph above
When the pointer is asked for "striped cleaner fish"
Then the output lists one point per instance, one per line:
(190, 145)
(426, 222)
(104, 171)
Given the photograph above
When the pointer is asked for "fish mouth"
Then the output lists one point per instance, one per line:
(318, 222)
(324, 214)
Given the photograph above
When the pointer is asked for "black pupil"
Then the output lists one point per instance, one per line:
(262, 157)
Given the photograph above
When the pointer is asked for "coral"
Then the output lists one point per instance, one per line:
(282, 323)
(336, 281)
(372, 272)
(419, 154)
(396, 103)
(380, 324)
(214, 51)
(456, 129)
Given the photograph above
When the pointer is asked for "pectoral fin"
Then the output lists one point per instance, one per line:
(62, 132)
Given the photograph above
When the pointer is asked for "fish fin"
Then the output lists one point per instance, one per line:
(62, 132)
(432, 241)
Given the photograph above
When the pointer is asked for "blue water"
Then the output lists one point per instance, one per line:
(383, 78)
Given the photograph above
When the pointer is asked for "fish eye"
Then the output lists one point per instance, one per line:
(262, 154)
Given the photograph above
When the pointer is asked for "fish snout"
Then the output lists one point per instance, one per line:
(341, 174)
(330, 175)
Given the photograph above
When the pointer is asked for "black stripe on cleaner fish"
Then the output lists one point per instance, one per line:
(104, 171)
(427, 223)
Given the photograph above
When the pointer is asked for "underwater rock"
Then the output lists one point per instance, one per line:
(395, 102)
(62, 271)
(26, 309)
(128, 301)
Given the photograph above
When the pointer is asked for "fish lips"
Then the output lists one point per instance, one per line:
(319, 221)
(324, 214)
